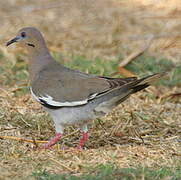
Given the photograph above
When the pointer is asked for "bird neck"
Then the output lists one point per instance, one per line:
(37, 60)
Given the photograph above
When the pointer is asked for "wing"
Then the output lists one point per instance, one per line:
(65, 87)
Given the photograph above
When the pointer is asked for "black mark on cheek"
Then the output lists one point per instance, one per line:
(29, 44)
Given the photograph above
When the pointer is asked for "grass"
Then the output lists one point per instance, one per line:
(144, 65)
(148, 65)
(98, 66)
(110, 172)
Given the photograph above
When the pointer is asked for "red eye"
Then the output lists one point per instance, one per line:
(23, 34)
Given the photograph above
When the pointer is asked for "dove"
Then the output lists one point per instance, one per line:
(72, 97)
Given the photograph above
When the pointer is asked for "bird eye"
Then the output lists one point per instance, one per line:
(23, 34)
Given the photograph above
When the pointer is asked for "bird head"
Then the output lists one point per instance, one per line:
(30, 38)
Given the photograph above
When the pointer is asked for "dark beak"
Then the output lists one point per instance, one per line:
(16, 39)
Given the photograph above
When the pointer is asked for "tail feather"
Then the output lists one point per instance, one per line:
(152, 78)
(147, 81)
(140, 87)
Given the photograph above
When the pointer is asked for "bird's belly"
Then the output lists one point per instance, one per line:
(78, 115)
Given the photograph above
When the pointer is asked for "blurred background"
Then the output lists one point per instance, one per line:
(102, 30)
(95, 36)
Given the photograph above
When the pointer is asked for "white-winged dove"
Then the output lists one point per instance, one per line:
(72, 97)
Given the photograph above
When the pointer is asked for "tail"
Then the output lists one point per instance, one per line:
(147, 81)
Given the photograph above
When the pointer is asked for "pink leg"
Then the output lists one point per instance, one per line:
(52, 142)
(83, 140)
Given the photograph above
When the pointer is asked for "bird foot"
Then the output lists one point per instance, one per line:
(52, 142)
(83, 140)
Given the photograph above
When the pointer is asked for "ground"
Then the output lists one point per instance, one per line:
(141, 138)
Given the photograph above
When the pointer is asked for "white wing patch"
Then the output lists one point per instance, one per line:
(49, 100)
(92, 96)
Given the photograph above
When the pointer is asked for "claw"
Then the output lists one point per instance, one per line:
(52, 142)
(83, 140)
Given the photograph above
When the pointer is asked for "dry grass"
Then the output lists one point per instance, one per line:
(145, 130)
(103, 29)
